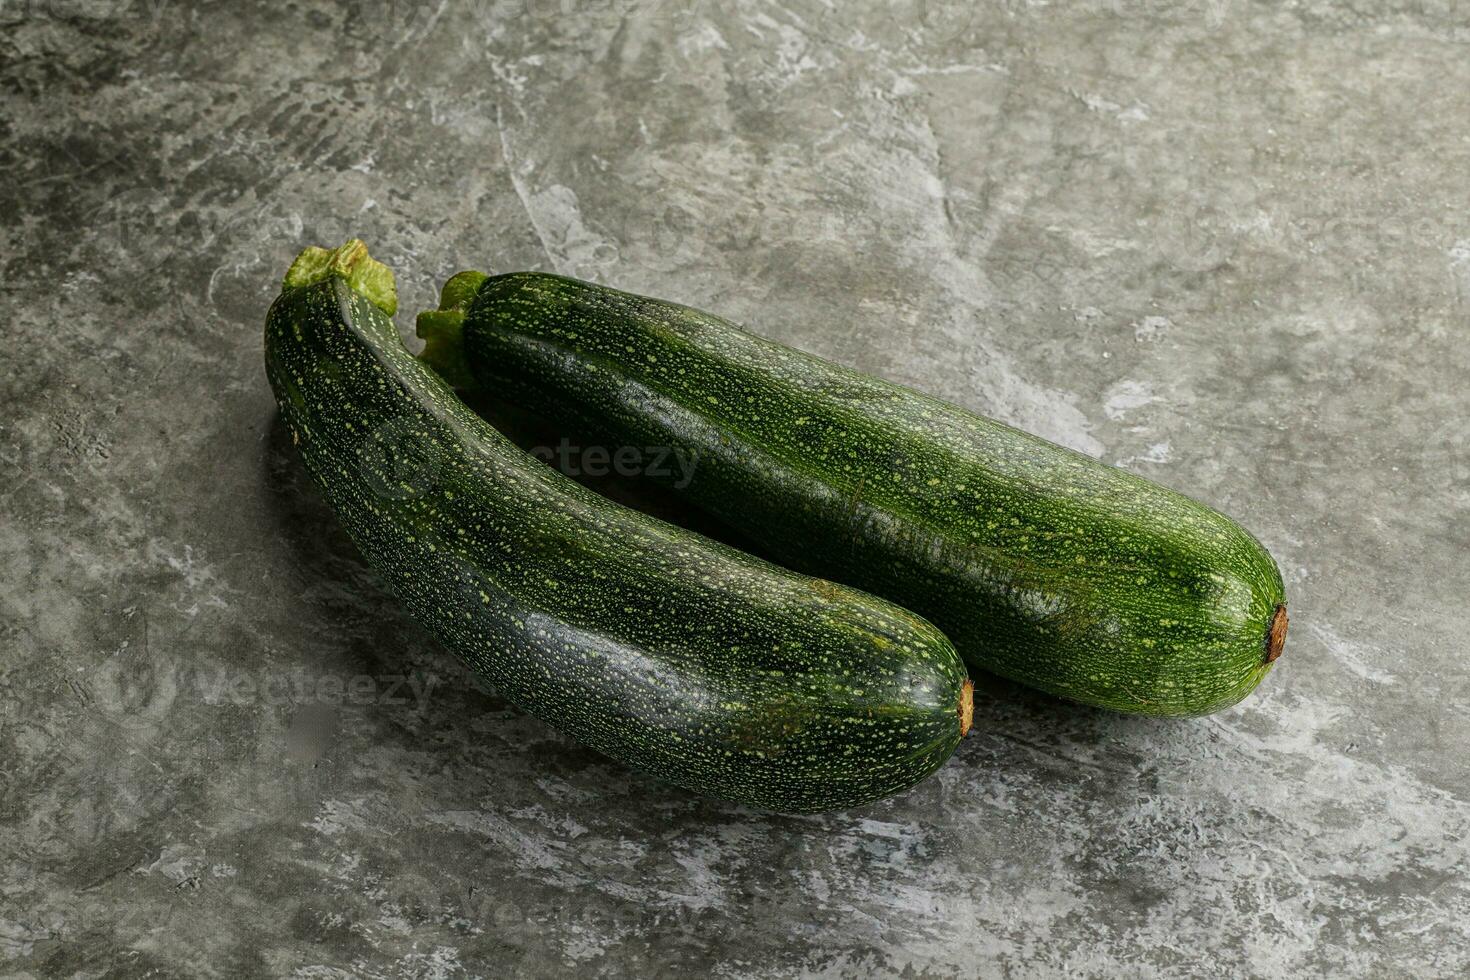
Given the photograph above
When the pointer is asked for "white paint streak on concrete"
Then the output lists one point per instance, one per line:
(1361, 659)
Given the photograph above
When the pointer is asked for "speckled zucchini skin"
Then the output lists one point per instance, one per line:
(1042, 565)
(680, 656)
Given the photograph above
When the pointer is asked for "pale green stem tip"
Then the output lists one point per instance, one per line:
(442, 330)
(351, 261)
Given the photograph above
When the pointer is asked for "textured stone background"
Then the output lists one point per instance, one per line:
(1222, 243)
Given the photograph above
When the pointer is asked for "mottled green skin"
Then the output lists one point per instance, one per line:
(1041, 564)
(682, 657)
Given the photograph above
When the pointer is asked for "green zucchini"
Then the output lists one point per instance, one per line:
(680, 656)
(1041, 564)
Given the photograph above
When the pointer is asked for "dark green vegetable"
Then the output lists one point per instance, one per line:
(1041, 564)
(683, 657)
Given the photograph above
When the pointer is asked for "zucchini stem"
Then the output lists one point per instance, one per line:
(351, 261)
(1276, 638)
(442, 330)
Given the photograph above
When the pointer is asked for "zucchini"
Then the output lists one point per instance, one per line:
(1041, 564)
(677, 655)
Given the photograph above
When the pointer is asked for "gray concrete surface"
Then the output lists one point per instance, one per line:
(1222, 243)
